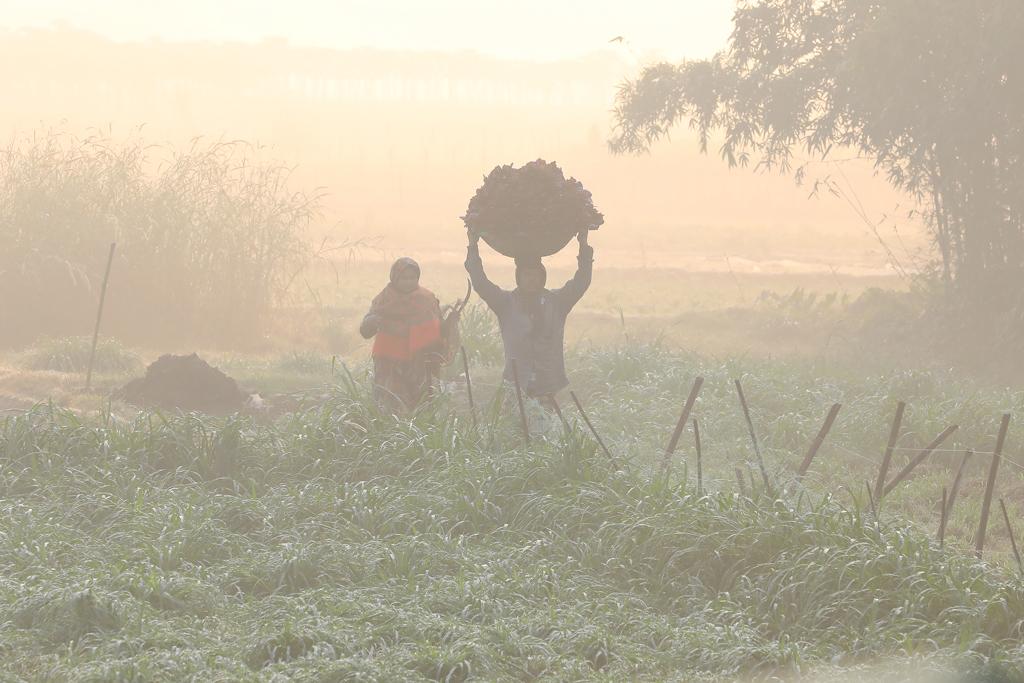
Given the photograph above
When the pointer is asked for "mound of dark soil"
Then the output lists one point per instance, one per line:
(531, 211)
(185, 383)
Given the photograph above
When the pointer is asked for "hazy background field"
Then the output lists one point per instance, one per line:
(400, 140)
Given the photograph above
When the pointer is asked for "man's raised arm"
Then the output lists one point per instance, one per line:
(488, 291)
(575, 288)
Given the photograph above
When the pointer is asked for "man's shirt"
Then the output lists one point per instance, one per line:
(536, 344)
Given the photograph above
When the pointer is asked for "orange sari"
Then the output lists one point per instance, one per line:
(407, 346)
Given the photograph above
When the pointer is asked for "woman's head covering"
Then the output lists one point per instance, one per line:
(401, 265)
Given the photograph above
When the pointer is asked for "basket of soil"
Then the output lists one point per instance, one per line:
(185, 383)
(531, 211)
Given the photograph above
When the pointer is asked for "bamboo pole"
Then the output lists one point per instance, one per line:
(919, 458)
(943, 518)
(99, 316)
(558, 412)
(753, 435)
(1013, 540)
(469, 383)
(600, 441)
(696, 445)
(990, 485)
(818, 440)
(894, 435)
(871, 500)
(956, 481)
(681, 424)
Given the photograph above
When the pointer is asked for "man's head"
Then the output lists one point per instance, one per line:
(405, 275)
(531, 276)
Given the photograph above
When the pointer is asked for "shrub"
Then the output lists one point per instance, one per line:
(209, 238)
(71, 354)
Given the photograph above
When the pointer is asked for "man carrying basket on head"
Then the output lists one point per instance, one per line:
(532, 318)
(527, 213)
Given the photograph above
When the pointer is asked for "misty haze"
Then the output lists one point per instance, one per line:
(551, 341)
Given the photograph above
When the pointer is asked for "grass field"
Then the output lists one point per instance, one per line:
(749, 310)
(335, 543)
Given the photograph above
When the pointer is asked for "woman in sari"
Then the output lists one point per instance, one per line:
(405, 321)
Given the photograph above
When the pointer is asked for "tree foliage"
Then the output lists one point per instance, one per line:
(933, 91)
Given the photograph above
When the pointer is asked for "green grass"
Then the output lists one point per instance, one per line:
(338, 543)
(282, 372)
(71, 355)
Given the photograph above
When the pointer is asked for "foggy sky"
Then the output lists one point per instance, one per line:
(399, 138)
(525, 29)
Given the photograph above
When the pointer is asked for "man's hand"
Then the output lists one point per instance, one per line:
(582, 237)
(474, 238)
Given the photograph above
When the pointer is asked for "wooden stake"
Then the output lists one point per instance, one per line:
(753, 436)
(681, 424)
(742, 483)
(986, 505)
(818, 440)
(469, 383)
(558, 412)
(943, 518)
(956, 481)
(696, 445)
(99, 316)
(583, 413)
(519, 399)
(871, 500)
(918, 459)
(894, 435)
(1013, 540)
